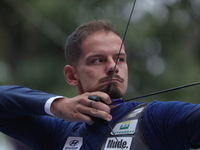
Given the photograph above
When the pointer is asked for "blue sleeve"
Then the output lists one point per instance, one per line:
(22, 117)
(193, 126)
(16, 101)
(164, 125)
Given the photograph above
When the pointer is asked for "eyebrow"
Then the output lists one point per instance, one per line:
(121, 54)
(96, 55)
(102, 55)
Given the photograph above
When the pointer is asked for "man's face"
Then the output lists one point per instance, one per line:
(96, 65)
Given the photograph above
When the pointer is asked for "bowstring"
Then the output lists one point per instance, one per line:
(164, 91)
(116, 62)
(120, 49)
(146, 95)
(114, 134)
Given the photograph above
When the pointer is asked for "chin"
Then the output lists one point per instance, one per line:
(113, 91)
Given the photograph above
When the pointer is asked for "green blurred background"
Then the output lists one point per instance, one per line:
(162, 43)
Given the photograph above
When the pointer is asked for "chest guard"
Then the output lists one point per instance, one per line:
(127, 133)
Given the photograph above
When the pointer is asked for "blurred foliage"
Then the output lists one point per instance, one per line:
(162, 43)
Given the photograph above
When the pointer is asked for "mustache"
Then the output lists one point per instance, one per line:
(108, 78)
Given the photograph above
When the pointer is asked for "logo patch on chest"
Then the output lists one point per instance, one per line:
(134, 113)
(127, 127)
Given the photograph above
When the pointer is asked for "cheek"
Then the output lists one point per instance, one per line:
(125, 74)
(88, 76)
(89, 81)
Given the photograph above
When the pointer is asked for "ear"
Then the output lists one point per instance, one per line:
(70, 75)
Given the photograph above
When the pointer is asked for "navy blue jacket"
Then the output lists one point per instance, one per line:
(166, 125)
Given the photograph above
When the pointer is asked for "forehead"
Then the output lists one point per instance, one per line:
(102, 42)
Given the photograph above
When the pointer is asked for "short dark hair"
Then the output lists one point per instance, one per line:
(74, 41)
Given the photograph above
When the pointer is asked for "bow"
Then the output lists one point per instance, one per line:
(118, 101)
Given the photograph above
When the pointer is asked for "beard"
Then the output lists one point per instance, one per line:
(113, 91)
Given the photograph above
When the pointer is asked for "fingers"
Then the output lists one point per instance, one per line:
(86, 119)
(94, 111)
(103, 96)
(80, 108)
(90, 103)
(98, 110)
(99, 106)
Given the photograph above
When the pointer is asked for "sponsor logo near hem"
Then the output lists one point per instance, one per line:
(120, 143)
(73, 143)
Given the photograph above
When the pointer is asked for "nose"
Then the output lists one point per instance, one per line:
(112, 67)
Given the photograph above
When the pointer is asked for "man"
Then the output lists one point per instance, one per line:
(97, 69)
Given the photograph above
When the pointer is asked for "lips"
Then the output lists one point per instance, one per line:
(116, 78)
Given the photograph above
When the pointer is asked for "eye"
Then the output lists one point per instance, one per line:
(121, 59)
(97, 61)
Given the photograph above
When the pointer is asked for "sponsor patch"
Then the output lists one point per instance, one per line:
(127, 127)
(118, 144)
(73, 143)
(134, 113)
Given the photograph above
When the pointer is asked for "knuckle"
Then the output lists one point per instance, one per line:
(98, 105)
(105, 115)
(102, 107)
(79, 108)
(81, 100)
(86, 93)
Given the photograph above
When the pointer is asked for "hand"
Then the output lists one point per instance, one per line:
(78, 108)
